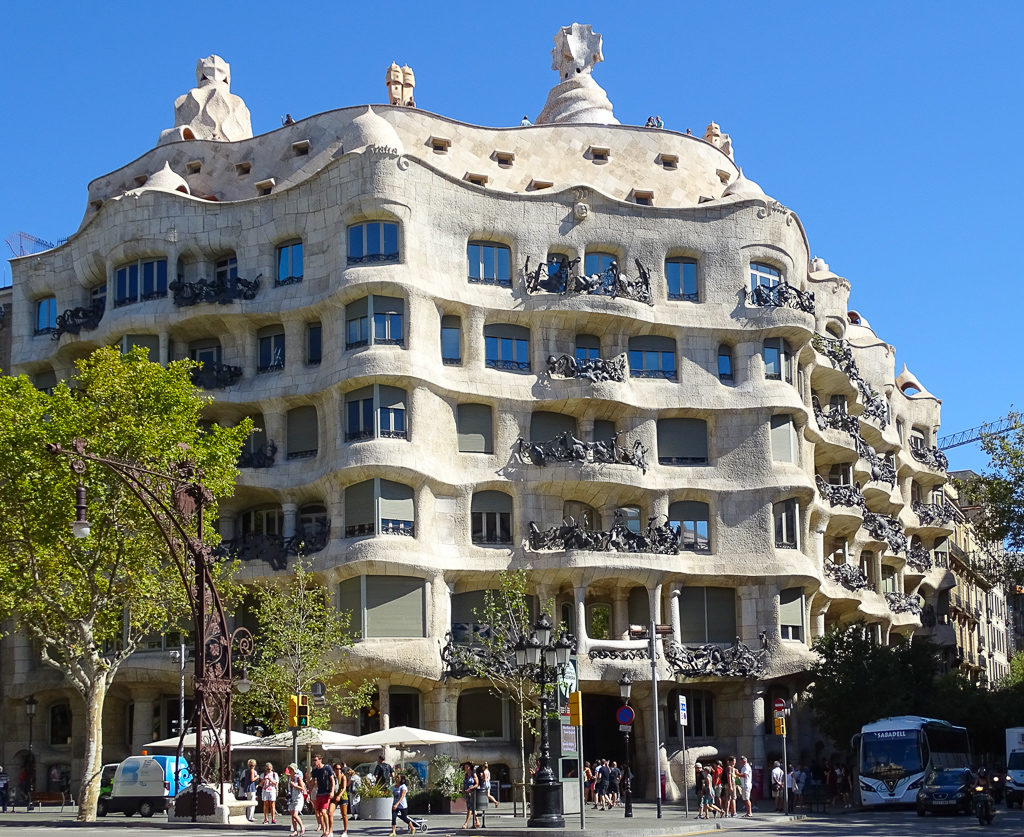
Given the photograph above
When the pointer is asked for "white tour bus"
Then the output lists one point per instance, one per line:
(895, 754)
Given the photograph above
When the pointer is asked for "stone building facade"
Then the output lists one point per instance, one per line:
(594, 351)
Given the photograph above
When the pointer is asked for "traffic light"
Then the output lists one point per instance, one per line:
(575, 709)
(780, 726)
(303, 713)
(293, 711)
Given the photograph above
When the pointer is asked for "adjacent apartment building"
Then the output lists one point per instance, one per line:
(595, 351)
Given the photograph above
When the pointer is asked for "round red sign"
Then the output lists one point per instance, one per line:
(780, 705)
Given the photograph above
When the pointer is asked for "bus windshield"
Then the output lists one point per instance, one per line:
(891, 754)
(949, 746)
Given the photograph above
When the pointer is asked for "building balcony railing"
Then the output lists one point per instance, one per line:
(373, 258)
(221, 291)
(596, 370)
(835, 419)
(274, 549)
(919, 558)
(931, 513)
(359, 435)
(849, 576)
(261, 457)
(887, 529)
(661, 539)
(359, 530)
(567, 448)
(714, 660)
(840, 495)
(499, 281)
(77, 320)
(281, 281)
(507, 365)
(397, 527)
(309, 453)
(215, 375)
(903, 603)
(563, 277)
(840, 355)
(932, 457)
(782, 295)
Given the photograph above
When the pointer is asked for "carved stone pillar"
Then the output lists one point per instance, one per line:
(384, 702)
(675, 594)
(579, 594)
(620, 613)
(290, 512)
(144, 702)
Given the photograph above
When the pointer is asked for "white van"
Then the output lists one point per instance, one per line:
(144, 785)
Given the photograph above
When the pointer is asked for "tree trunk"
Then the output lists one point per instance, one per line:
(90, 791)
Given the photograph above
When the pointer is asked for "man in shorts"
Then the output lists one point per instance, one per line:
(746, 784)
(728, 803)
(324, 778)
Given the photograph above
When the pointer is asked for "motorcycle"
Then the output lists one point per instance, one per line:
(984, 806)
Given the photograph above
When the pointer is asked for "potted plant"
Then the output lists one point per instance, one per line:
(375, 800)
(446, 785)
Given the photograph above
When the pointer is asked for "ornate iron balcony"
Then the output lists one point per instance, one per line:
(919, 558)
(261, 457)
(303, 454)
(220, 291)
(593, 369)
(359, 435)
(567, 448)
(849, 576)
(881, 527)
(500, 281)
(667, 374)
(782, 295)
(394, 434)
(567, 280)
(840, 495)
(840, 355)
(932, 457)
(256, 547)
(513, 365)
(712, 660)
(398, 527)
(287, 280)
(215, 375)
(656, 539)
(929, 513)
(76, 320)
(881, 470)
(358, 530)
(902, 603)
(836, 420)
(373, 258)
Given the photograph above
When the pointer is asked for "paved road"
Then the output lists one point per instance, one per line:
(49, 823)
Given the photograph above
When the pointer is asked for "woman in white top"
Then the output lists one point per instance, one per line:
(268, 793)
(296, 798)
(487, 785)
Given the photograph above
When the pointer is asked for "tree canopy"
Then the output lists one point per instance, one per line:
(88, 603)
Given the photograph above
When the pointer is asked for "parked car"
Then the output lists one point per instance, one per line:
(948, 790)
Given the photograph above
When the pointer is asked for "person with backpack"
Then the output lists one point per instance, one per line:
(382, 772)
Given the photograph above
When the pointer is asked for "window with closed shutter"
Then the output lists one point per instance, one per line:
(682, 441)
(395, 606)
(475, 428)
(360, 518)
(302, 432)
(545, 426)
(791, 614)
(784, 442)
(397, 508)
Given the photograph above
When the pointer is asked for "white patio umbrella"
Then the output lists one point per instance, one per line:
(237, 738)
(404, 738)
(308, 737)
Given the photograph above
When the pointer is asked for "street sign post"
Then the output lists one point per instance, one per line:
(779, 705)
(625, 715)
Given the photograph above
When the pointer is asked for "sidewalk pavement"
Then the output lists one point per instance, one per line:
(499, 823)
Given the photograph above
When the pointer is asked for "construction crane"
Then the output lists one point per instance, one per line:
(1000, 427)
(26, 244)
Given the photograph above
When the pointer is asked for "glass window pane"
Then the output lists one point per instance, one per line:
(504, 266)
(522, 351)
(507, 348)
(373, 239)
(391, 239)
(672, 274)
(283, 264)
(491, 348)
(473, 254)
(355, 242)
(488, 266)
(689, 270)
(450, 343)
(161, 276)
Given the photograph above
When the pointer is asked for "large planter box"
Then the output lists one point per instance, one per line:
(375, 809)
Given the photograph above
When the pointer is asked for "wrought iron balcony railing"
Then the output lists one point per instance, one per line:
(919, 558)
(849, 576)
(567, 448)
(713, 660)
(215, 375)
(562, 277)
(887, 529)
(261, 457)
(929, 513)
(903, 603)
(932, 457)
(840, 495)
(221, 291)
(661, 539)
(782, 295)
(77, 320)
(840, 355)
(593, 369)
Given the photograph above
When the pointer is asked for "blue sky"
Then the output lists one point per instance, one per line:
(893, 129)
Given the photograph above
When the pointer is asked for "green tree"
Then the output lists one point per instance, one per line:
(504, 619)
(1016, 676)
(88, 603)
(856, 681)
(300, 639)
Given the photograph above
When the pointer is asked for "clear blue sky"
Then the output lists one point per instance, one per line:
(893, 129)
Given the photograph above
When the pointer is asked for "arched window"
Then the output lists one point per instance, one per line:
(764, 275)
(60, 724)
(691, 517)
(597, 262)
(787, 524)
(491, 516)
(482, 714)
(140, 280)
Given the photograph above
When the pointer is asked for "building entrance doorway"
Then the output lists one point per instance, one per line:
(601, 736)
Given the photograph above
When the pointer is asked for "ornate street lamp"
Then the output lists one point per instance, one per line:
(543, 662)
(175, 499)
(31, 704)
(625, 688)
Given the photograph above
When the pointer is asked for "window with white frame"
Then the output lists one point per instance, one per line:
(764, 275)
(690, 519)
(787, 524)
(791, 614)
(490, 263)
(778, 365)
(206, 351)
(267, 520)
(225, 271)
(140, 280)
(376, 411)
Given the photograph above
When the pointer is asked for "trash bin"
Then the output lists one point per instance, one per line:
(481, 800)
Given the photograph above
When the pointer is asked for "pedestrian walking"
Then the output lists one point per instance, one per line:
(399, 810)
(268, 793)
(487, 785)
(382, 772)
(250, 779)
(470, 783)
(323, 776)
(614, 774)
(296, 798)
(5, 788)
(354, 783)
(588, 783)
(729, 787)
(339, 800)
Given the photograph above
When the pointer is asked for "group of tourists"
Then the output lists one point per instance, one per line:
(334, 788)
(719, 786)
(604, 783)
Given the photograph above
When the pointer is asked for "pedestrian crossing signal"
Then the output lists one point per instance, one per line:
(293, 711)
(575, 709)
(780, 726)
(303, 711)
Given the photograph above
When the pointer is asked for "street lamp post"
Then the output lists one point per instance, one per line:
(625, 688)
(180, 656)
(538, 658)
(175, 499)
(30, 771)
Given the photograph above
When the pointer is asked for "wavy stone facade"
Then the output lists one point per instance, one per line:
(399, 365)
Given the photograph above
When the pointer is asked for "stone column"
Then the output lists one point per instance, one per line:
(473, 339)
(620, 613)
(275, 424)
(654, 602)
(579, 594)
(439, 606)
(164, 352)
(675, 594)
(290, 512)
(144, 701)
(384, 702)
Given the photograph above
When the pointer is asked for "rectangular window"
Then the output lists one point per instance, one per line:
(46, 315)
(597, 263)
(791, 614)
(682, 441)
(777, 362)
(507, 347)
(225, 272)
(271, 352)
(314, 344)
(289, 263)
(491, 527)
(681, 275)
(391, 413)
(784, 441)
(489, 263)
(373, 242)
(384, 606)
(357, 324)
(139, 281)
(475, 428)
(787, 518)
(652, 357)
(707, 614)
(388, 314)
(725, 365)
(451, 340)
(359, 415)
